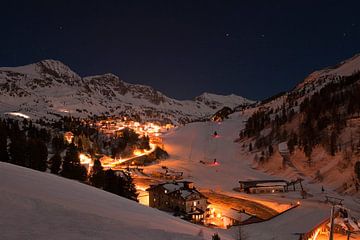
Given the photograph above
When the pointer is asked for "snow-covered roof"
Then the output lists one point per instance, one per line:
(235, 214)
(186, 193)
(271, 184)
(182, 188)
(171, 187)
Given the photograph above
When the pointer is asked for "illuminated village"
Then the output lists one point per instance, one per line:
(164, 187)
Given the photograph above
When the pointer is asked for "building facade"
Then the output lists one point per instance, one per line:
(179, 197)
(263, 186)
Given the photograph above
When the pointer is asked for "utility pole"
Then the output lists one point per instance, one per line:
(335, 203)
(331, 236)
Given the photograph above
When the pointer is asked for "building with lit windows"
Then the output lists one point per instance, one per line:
(179, 197)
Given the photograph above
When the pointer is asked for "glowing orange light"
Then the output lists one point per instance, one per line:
(138, 152)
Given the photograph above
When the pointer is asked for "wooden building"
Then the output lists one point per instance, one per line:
(264, 186)
(180, 197)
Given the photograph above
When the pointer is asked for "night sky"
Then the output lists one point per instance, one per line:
(183, 48)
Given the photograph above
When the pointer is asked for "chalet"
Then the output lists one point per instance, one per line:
(180, 197)
(68, 137)
(264, 186)
(343, 225)
(233, 217)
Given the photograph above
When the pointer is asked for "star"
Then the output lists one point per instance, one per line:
(227, 34)
(60, 27)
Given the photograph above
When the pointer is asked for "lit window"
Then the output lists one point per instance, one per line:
(165, 191)
(194, 203)
(154, 199)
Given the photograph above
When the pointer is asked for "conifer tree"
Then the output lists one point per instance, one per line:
(58, 144)
(55, 163)
(129, 190)
(4, 155)
(18, 149)
(71, 167)
(97, 175)
(37, 154)
(110, 182)
(215, 237)
(357, 169)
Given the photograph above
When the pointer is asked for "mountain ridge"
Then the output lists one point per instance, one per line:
(32, 86)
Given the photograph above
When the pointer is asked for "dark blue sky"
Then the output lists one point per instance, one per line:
(183, 48)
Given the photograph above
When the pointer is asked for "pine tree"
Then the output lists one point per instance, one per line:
(58, 144)
(308, 152)
(121, 185)
(271, 150)
(71, 167)
(144, 143)
(4, 155)
(110, 182)
(18, 149)
(215, 237)
(333, 147)
(129, 190)
(37, 154)
(250, 147)
(357, 169)
(97, 175)
(55, 163)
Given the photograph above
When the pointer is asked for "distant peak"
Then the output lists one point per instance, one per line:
(215, 100)
(56, 69)
(344, 68)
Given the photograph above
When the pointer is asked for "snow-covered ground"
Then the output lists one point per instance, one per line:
(36, 205)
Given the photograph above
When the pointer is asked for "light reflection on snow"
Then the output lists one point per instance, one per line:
(18, 114)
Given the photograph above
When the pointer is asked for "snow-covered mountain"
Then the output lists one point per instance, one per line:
(321, 115)
(321, 77)
(313, 83)
(50, 86)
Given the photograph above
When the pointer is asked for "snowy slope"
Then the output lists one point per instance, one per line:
(37, 205)
(51, 86)
(218, 101)
(345, 68)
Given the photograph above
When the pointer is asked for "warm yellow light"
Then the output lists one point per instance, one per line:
(85, 159)
(138, 152)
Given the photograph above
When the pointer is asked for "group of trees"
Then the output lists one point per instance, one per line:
(126, 141)
(119, 183)
(322, 116)
(89, 139)
(23, 144)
